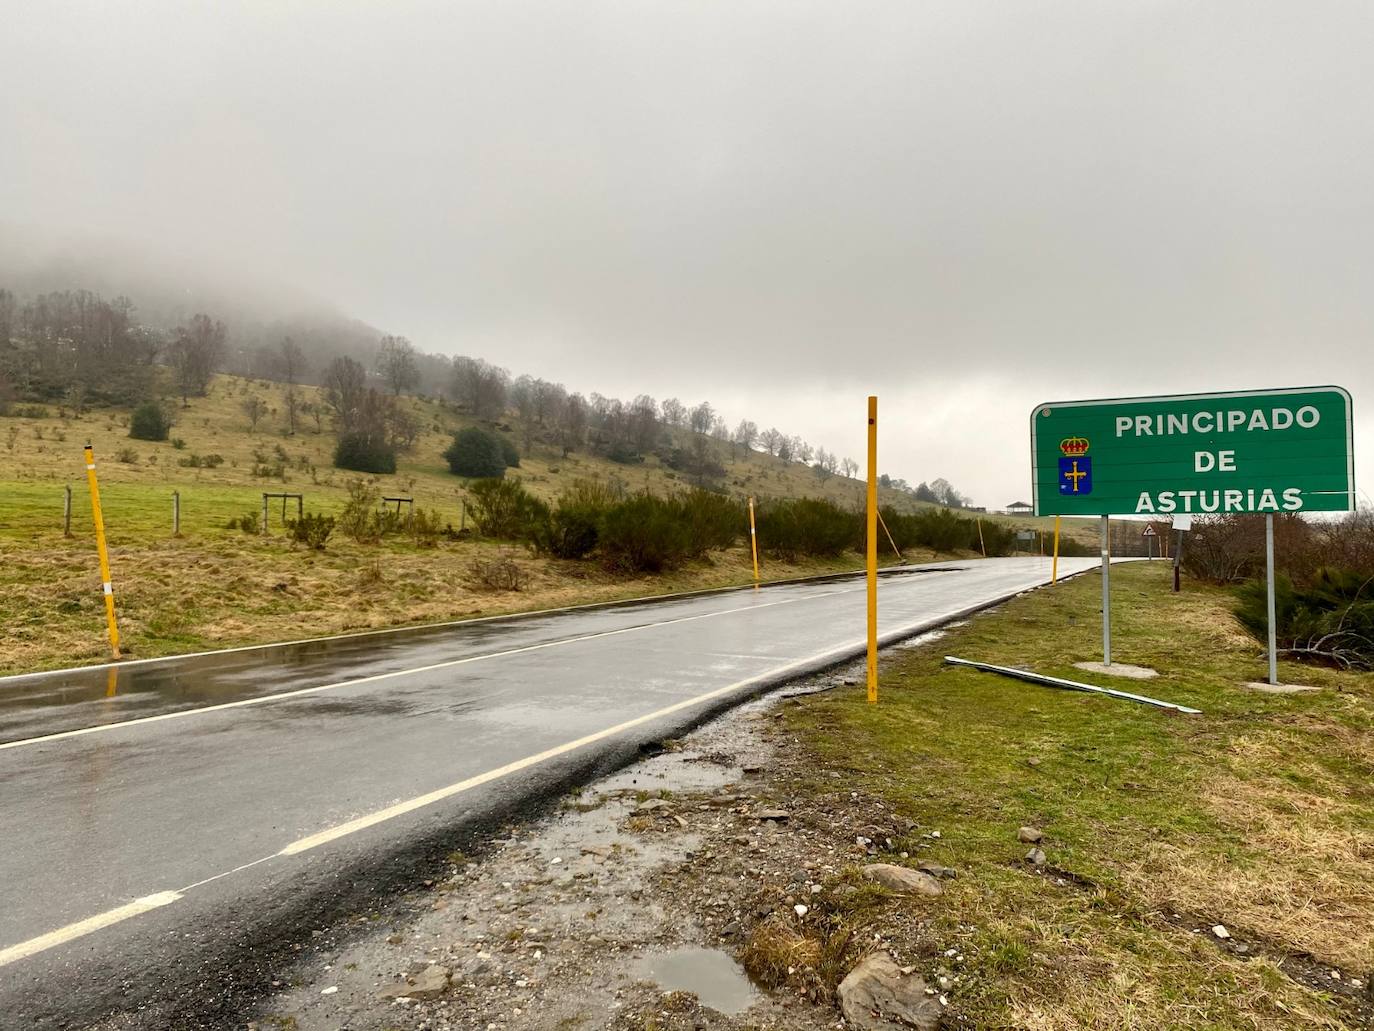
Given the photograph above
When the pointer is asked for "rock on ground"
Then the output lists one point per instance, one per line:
(901, 878)
(427, 984)
(877, 996)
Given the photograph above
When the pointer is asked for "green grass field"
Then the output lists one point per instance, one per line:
(214, 586)
(1257, 815)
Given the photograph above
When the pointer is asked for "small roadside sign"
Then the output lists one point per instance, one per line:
(1149, 532)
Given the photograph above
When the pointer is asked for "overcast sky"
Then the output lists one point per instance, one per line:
(964, 207)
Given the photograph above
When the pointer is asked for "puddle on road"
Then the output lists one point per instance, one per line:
(713, 977)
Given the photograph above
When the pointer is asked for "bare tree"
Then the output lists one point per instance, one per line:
(480, 387)
(674, 413)
(701, 418)
(345, 387)
(291, 362)
(572, 424)
(396, 365)
(850, 467)
(643, 423)
(945, 493)
(255, 408)
(295, 406)
(746, 433)
(196, 354)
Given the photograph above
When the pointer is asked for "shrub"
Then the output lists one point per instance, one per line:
(150, 421)
(791, 529)
(1329, 620)
(497, 574)
(359, 518)
(249, 522)
(573, 527)
(127, 455)
(201, 461)
(999, 539)
(644, 534)
(426, 527)
(364, 453)
(509, 454)
(505, 509)
(178, 443)
(477, 454)
(311, 529)
(711, 520)
(1230, 548)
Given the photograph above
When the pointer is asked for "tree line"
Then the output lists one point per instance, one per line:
(75, 348)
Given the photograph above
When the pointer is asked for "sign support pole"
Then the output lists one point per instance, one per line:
(1178, 557)
(1054, 566)
(1106, 593)
(872, 556)
(1269, 568)
(754, 543)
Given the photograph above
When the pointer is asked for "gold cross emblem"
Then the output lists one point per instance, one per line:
(1075, 476)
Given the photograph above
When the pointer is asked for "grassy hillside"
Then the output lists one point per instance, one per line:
(215, 586)
(39, 455)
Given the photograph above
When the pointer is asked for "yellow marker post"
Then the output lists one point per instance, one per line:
(754, 543)
(981, 546)
(1054, 567)
(872, 549)
(104, 553)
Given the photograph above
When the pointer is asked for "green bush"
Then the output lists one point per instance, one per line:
(360, 518)
(807, 527)
(195, 461)
(150, 421)
(477, 454)
(311, 529)
(574, 526)
(249, 522)
(364, 453)
(1330, 619)
(509, 454)
(504, 509)
(644, 534)
(999, 538)
(712, 521)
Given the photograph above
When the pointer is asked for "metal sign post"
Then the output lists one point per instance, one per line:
(1269, 575)
(1106, 592)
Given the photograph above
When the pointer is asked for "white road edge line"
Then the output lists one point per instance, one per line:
(62, 935)
(420, 801)
(83, 927)
(263, 699)
(591, 606)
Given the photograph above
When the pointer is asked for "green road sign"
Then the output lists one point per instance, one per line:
(1247, 451)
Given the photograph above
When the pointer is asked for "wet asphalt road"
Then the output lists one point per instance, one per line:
(245, 798)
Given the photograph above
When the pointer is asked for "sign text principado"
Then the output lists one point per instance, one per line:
(1249, 451)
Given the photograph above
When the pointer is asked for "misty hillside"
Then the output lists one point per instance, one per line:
(91, 324)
